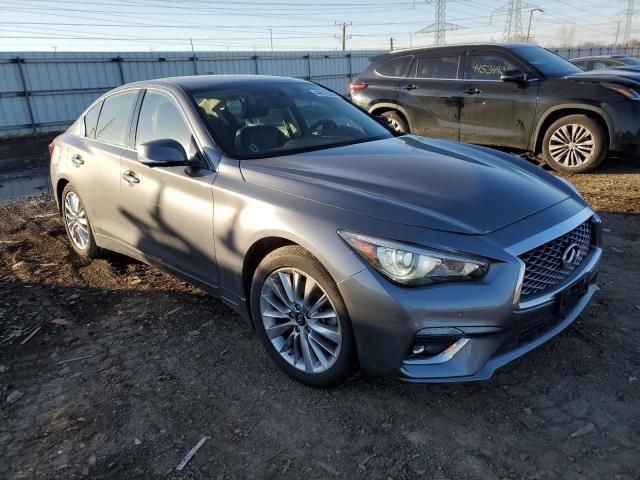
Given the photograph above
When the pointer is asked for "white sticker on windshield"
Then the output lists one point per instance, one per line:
(323, 93)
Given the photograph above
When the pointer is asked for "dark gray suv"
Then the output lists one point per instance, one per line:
(522, 97)
(340, 241)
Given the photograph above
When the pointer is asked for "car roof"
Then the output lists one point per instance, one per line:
(600, 57)
(457, 46)
(196, 83)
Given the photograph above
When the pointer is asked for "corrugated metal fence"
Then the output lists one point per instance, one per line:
(45, 91)
(589, 51)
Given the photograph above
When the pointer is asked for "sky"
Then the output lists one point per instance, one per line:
(168, 25)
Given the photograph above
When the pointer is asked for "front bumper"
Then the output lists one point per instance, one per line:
(494, 330)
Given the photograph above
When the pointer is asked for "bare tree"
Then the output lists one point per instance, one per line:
(567, 34)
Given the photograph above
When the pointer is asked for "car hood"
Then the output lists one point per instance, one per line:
(615, 75)
(416, 181)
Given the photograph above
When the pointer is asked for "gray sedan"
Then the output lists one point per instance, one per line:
(341, 242)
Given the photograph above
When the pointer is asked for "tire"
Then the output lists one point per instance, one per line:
(396, 121)
(77, 224)
(294, 323)
(561, 151)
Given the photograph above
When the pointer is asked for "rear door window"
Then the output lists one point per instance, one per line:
(438, 67)
(488, 66)
(115, 117)
(396, 67)
(91, 120)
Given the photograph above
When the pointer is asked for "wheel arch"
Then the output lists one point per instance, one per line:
(60, 185)
(561, 111)
(255, 254)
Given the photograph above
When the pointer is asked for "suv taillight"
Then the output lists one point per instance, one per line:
(355, 87)
(51, 147)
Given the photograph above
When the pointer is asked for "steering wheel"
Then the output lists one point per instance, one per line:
(320, 125)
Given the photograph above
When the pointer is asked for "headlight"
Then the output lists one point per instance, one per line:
(413, 265)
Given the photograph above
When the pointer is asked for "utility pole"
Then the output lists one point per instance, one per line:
(391, 44)
(628, 21)
(440, 25)
(271, 38)
(530, 18)
(343, 36)
(615, 43)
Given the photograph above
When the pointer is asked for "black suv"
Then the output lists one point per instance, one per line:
(521, 97)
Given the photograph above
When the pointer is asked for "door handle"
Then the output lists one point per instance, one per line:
(130, 177)
(77, 160)
(411, 86)
(472, 91)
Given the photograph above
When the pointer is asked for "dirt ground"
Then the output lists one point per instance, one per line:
(113, 369)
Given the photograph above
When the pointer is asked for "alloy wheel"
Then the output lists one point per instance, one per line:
(572, 145)
(300, 320)
(394, 124)
(76, 220)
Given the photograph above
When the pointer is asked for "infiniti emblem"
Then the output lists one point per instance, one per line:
(571, 256)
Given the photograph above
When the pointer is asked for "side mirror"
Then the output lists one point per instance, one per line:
(515, 76)
(162, 153)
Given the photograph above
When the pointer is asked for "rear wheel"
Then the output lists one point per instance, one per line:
(396, 121)
(574, 144)
(77, 225)
(301, 319)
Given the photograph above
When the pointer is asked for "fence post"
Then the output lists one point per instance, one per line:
(27, 95)
(195, 64)
(308, 57)
(255, 60)
(120, 69)
(350, 67)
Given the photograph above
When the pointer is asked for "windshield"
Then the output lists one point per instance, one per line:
(280, 119)
(550, 64)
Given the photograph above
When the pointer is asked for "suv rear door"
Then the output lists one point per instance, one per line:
(432, 94)
(495, 112)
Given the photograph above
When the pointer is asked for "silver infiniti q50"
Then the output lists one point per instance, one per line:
(341, 242)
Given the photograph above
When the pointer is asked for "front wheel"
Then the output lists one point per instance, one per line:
(574, 144)
(301, 318)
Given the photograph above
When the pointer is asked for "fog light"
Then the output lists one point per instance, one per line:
(418, 349)
(432, 341)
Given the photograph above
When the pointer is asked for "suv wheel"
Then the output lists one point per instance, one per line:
(301, 319)
(574, 144)
(396, 121)
(76, 223)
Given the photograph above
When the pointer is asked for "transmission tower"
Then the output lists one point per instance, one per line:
(627, 22)
(513, 31)
(440, 26)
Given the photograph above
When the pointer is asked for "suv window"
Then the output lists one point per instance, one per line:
(160, 118)
(438, 67)
(396, 67)
(602, 64)
(488, 66)
(114, 117)
(91, 120)
(582, 64)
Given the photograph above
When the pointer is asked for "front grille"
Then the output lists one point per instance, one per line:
(544, 267)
